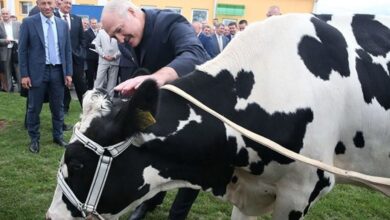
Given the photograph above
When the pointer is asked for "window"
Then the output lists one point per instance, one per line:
(199, 15)
(26, 7)
(227, 21)
(233, 10)
(174, 9)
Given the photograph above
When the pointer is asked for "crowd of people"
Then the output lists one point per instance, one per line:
(53, 49)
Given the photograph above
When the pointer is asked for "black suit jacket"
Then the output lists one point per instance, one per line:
(169, 40)
(76, 39)
(89, 36)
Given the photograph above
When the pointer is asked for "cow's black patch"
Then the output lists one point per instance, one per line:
(358, 140)
(287, 129)
(374, 79)
(371, 35)
(322, 183)
(294, 215)
(340, 148)
(327, 54)
(257, 168)
(324, 17)
(244, 84)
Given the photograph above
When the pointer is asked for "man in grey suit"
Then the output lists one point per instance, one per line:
(45, 63)
(11, 30)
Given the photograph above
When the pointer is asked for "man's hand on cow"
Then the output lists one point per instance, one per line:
(26, 82)
(162, 76)
(68, 81)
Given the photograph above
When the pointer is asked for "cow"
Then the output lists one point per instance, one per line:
(316, 84)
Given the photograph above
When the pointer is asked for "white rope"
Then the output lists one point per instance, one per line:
(381, 184)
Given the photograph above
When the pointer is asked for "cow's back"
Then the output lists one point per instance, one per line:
(336, 66)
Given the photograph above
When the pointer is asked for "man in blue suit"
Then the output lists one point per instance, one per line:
(217, 42)
(45, 63)
(164, 43)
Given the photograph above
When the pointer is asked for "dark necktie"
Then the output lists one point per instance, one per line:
(51, 43)
(66, 20)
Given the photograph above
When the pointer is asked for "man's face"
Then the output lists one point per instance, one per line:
(65, 6)
(46, 7)
(241, 27)
(220, 30)
(128, 28)
(232, 29)
(5, 15)
(93, 23)
(207, 31)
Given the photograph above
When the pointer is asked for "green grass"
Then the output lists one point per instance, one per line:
(27, 180)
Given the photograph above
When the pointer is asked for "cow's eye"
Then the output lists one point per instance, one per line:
(75, 165)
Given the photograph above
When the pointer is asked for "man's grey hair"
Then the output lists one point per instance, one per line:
(119, 7)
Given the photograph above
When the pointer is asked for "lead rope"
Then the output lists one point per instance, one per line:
(381, 184)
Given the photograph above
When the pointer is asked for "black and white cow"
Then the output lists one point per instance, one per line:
(318, 85)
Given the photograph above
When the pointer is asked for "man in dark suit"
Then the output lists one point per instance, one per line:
(78, 50)
(217, 41)
(164, 43)
(45, 63)
(92, 57)
(127, 63)
(232, 30)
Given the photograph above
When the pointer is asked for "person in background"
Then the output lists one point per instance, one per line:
(109, 55)
(164, 43)
(218, 41)
(75, 28)
(207, 30)
(242, 24)
(85, 22)
(45, 65)
(273, 10)
(8, 53)
(92, 58)
(232, 30)
(199, 33)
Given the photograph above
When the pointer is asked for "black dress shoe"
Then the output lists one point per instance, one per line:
(34, 147)
(60, 142)
(140, 212)
(66, 127)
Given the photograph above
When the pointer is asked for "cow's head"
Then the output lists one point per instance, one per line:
(108, 122)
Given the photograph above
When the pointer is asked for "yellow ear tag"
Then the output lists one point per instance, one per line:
(145, 119)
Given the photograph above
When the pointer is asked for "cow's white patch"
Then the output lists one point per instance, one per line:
(95, 104)
(145, 137)
(193, 117)
(151, 176)
(241, 104)
(253, 156)
(58, 208)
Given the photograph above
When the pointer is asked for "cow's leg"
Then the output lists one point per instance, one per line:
(238, 215)
(299, 191)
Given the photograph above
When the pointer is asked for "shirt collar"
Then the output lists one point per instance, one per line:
(62, 14)
(45, 18)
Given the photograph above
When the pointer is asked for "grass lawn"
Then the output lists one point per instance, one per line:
(27, 180)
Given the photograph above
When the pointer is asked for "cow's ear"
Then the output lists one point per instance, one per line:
(144, 104)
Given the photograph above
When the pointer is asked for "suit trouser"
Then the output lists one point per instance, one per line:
(106, 73)
(79, 84)
(53, 81)
(91, 71)
(180, 208)
(10, 65)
